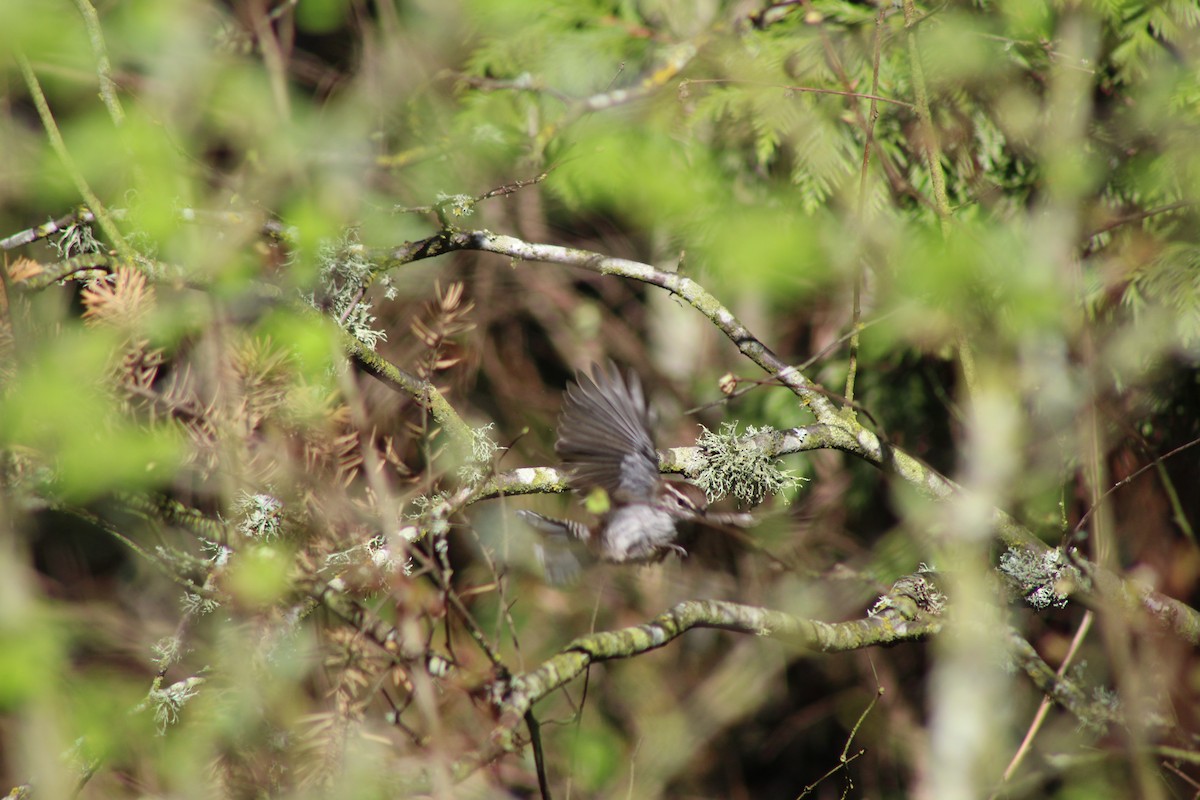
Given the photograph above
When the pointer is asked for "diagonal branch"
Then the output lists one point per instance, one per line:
(907, 618)
(422, 391)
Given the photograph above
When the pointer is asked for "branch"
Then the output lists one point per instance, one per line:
(905, 615)
(62, 270)
(82, 214)
(674, 61)
(423, 392)
(1061, 690)
(108, 89)
(676, 460)
(685, 288)
(836, 431)
(911, 610)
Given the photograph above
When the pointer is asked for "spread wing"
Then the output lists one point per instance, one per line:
(604, 435)
(561, 547)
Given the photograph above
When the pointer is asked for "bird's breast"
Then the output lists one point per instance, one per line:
(637, 532)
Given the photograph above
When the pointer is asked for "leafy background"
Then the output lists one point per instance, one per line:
(187, 447)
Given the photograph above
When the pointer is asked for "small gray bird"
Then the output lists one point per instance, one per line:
(605, 443)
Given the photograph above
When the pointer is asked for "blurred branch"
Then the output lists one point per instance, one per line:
(874, 98)
(61, 270)
(108, 89)
(1062, 690)
(931, 145)
(773, 13)
(82, 215)
(48, 229)
(676, 59)
(929, 139)
(1040, 717)
(1138, 216)
(868, 126)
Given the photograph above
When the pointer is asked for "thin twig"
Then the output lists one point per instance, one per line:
(1079, 525)
(1084, 626)
(874, 98)
(1138, 216)
(868, 140)
(539, 757)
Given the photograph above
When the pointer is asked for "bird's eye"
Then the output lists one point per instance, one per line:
(684, 497)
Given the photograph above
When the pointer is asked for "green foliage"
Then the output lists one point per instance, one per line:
(299, 421)
(32, 652)
(59, 406)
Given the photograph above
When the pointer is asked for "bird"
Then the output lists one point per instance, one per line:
(606, 446)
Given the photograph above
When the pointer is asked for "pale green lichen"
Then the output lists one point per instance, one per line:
(170, 701)
(483, 450)
(1045, 579)
(261, 516)
(740, 466)
(346, 270)
(456, 205)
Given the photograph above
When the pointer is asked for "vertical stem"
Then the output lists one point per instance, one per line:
(933, 156)
(869, 139)
(930, 143)
(108, 89)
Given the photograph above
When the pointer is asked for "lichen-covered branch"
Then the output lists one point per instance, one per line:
(68, 267)
(424, 393)
(1061, 690)
(515, 696)
(679, 460)
(840, 432)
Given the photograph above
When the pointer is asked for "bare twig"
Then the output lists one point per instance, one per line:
(1129, 478)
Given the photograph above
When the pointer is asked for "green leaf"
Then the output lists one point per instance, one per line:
(60, 407)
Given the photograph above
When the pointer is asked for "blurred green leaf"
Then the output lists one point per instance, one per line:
(59, 407)
(31, 660)
(321, 16)
(313, 341)
(259, 575)
(596, 756)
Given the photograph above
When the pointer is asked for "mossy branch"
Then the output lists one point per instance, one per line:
(423, 392)
(108, 87)
(906, 618)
